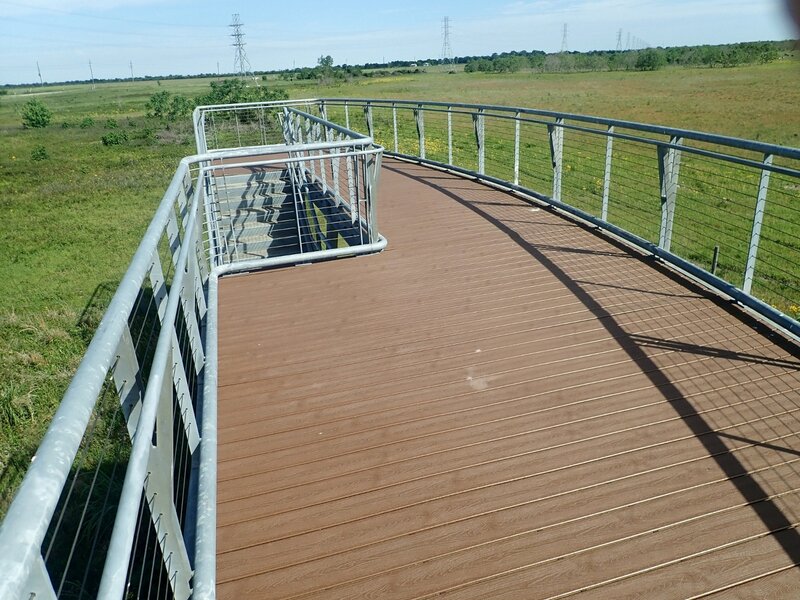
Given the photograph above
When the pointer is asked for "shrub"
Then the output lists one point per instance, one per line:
(35, 114)
(650, 60)
(87, 122)
(39, 153)
(111, 124)
(158, 105)
(114, 138)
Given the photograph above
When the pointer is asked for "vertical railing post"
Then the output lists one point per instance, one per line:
(335, 163)
(669, 161)
(556, 131)
(394, 126)
(368, 119)
(238, 132)
(758, 220)
(262, 126)
(607, 175)
(420, 119)
(450, 135)
(323, 110)
(346, 115)
(351, 192)
(516, 147)
(373, 176)
(478, 121)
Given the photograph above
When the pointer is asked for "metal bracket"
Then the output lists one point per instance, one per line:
(368, 119)
(758, 220)
(669, 164)
(478, 122)
(556, 135)
(419, 117)
(607, 175)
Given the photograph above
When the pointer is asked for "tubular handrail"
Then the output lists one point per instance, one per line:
(712, 138)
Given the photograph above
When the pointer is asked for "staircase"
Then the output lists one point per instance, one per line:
(256, 215)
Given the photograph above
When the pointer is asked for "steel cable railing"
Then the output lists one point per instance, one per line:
(723, 210)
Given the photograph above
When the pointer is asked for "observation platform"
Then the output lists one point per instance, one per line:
(503, 404)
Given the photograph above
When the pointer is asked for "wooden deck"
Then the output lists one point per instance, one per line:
(503, 404)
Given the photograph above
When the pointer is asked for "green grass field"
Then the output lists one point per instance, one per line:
(72, 219)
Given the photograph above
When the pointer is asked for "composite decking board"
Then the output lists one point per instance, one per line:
(781, 583)
(501, 404)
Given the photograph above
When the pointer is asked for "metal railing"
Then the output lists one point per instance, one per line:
(318, 197)
(724, 210)
(120, 501)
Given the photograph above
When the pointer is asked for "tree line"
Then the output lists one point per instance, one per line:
(648, 59)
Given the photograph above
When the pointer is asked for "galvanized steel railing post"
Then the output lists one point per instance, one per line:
(516, 147)
(368, 119)
(346, 115)
(394, 126)
(450, 135)
(373, 178)
(323, 110)
(669, 161)
(556, 135)
(420, 119)
(607, 175)
(758, 220)
(478, 121)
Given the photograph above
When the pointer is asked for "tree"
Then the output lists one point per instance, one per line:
(35, 114)
(324, 68)
(650, 60)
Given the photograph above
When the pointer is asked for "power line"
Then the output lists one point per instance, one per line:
(447, 52)
(240, 63)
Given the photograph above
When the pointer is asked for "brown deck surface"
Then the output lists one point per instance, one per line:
(500, 405)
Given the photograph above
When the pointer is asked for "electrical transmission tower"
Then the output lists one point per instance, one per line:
(564, 40)
(240, 63)
(447, 52)
(619, 40)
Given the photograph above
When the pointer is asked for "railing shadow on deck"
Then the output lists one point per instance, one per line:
(776, 522)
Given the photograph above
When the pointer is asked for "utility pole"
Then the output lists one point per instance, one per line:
(91, 73)
(38, 70)
(132, 78)
(447, 52)
(241, 65)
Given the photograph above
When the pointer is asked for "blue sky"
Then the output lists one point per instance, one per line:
(161, 37)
